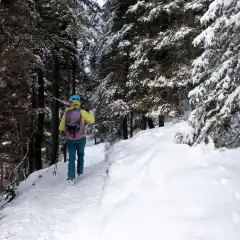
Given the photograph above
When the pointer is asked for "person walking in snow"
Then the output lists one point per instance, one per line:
(72, 124)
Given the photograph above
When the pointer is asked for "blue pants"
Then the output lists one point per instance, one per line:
(76, 146)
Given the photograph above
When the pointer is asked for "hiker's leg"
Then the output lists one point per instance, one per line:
(71, 146)
(80, 152)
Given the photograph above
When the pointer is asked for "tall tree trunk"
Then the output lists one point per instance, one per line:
(191, 23)
(65, 150)
(125, 128)
(143, 123)
(68, 85)
(2, 174)
(68, 78)
(40, 122)
(22, 135)
(55, 107)
(67, 95)
(150, 123)
(131, 124)
(161, 121)
(22, 124)
(31, 156)
(74, 68)
(32, 165)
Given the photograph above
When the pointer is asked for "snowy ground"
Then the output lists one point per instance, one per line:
(155, 190)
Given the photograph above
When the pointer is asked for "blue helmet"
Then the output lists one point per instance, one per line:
(75, 98)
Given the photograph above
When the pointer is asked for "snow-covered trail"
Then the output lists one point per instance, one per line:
(155, 189)
(49, 208)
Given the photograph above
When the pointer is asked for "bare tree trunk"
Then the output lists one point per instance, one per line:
(40, 122)
(69, 78)
(74, 68)
(22, 135)
(2, 174)
(22, 138)
(23, 167)
(143, 123)
(125, 128)
(131, 125)
(190, 22)
(190, 18)
(65, 150)
(150, 123)
(68, 85)
(48, 152)
(68, 95)
(55, 107)
(161, 121)
(31, 159)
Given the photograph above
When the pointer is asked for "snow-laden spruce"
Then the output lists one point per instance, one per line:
(216, 74)
(144, 59)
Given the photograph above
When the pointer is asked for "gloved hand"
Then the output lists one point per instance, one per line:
(94, 113)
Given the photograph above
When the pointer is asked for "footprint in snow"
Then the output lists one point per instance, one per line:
(224, 181)
(235, 217)
(221, 169)
(237, 196)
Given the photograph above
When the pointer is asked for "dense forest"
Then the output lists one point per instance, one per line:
(45, 55)
(137, 63)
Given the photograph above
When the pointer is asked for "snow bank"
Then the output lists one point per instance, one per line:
(155, 189)
(161, 190)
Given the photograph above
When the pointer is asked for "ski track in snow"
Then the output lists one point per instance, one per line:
(155, 189)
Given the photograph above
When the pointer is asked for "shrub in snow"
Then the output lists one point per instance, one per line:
(216, 75)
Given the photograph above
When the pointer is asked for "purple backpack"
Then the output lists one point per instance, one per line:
(74, 126)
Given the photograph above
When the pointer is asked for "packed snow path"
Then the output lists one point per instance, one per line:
(155, 189)
(50, 208)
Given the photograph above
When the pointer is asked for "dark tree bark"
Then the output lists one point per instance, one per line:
(161, 121)
(2, 175)
(7, 2)
(22, 145)
(65, 152)
(55, 107)
(22, 127)
(125, 128)
(40, 122)
(68, 84)
(191, 23)
(190, 18)
(131, 125)
(74, 68)
(143, 123)
(31, 157)
(68, 77)
(150, 123)
(32, 123)
(67, 96)
(64, 148)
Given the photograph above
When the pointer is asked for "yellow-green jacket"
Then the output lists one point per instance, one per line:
(88, 117)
